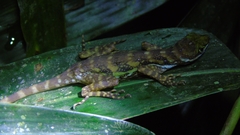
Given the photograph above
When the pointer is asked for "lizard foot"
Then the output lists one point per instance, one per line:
(169, 80)
(79, 103)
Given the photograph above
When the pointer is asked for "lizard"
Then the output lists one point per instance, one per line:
(103, 65)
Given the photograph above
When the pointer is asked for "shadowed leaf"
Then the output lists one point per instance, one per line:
(17, 119)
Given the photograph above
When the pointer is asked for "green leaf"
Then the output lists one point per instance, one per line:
(17, 119)
(43, 25)
(216, 71)
(111, 14)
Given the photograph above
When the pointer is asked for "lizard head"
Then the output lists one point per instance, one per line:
(192, 46)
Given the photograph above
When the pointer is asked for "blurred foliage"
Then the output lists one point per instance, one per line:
(43, 25)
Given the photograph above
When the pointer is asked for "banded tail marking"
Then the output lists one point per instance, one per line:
(56, 82)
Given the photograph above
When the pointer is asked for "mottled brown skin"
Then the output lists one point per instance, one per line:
(102, 68)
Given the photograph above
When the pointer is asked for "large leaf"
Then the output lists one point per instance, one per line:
(18, 119)
(216, 71)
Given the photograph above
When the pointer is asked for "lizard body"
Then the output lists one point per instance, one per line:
(101, 69)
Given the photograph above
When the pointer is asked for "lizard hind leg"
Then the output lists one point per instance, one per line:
(94, 89)
(114, 94)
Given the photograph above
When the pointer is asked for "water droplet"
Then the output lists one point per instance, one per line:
(220, 89)
(106, 131)
(24, 65)
(23, 117)
(216, 82)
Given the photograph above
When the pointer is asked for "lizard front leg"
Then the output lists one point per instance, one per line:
(148, 46)
(156, 71)
(99, 50)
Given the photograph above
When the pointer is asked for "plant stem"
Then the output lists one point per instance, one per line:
(232, 119)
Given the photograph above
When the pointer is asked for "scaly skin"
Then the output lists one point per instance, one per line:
(102, 68)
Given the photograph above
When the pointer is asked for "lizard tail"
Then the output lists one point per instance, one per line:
(56, 82)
